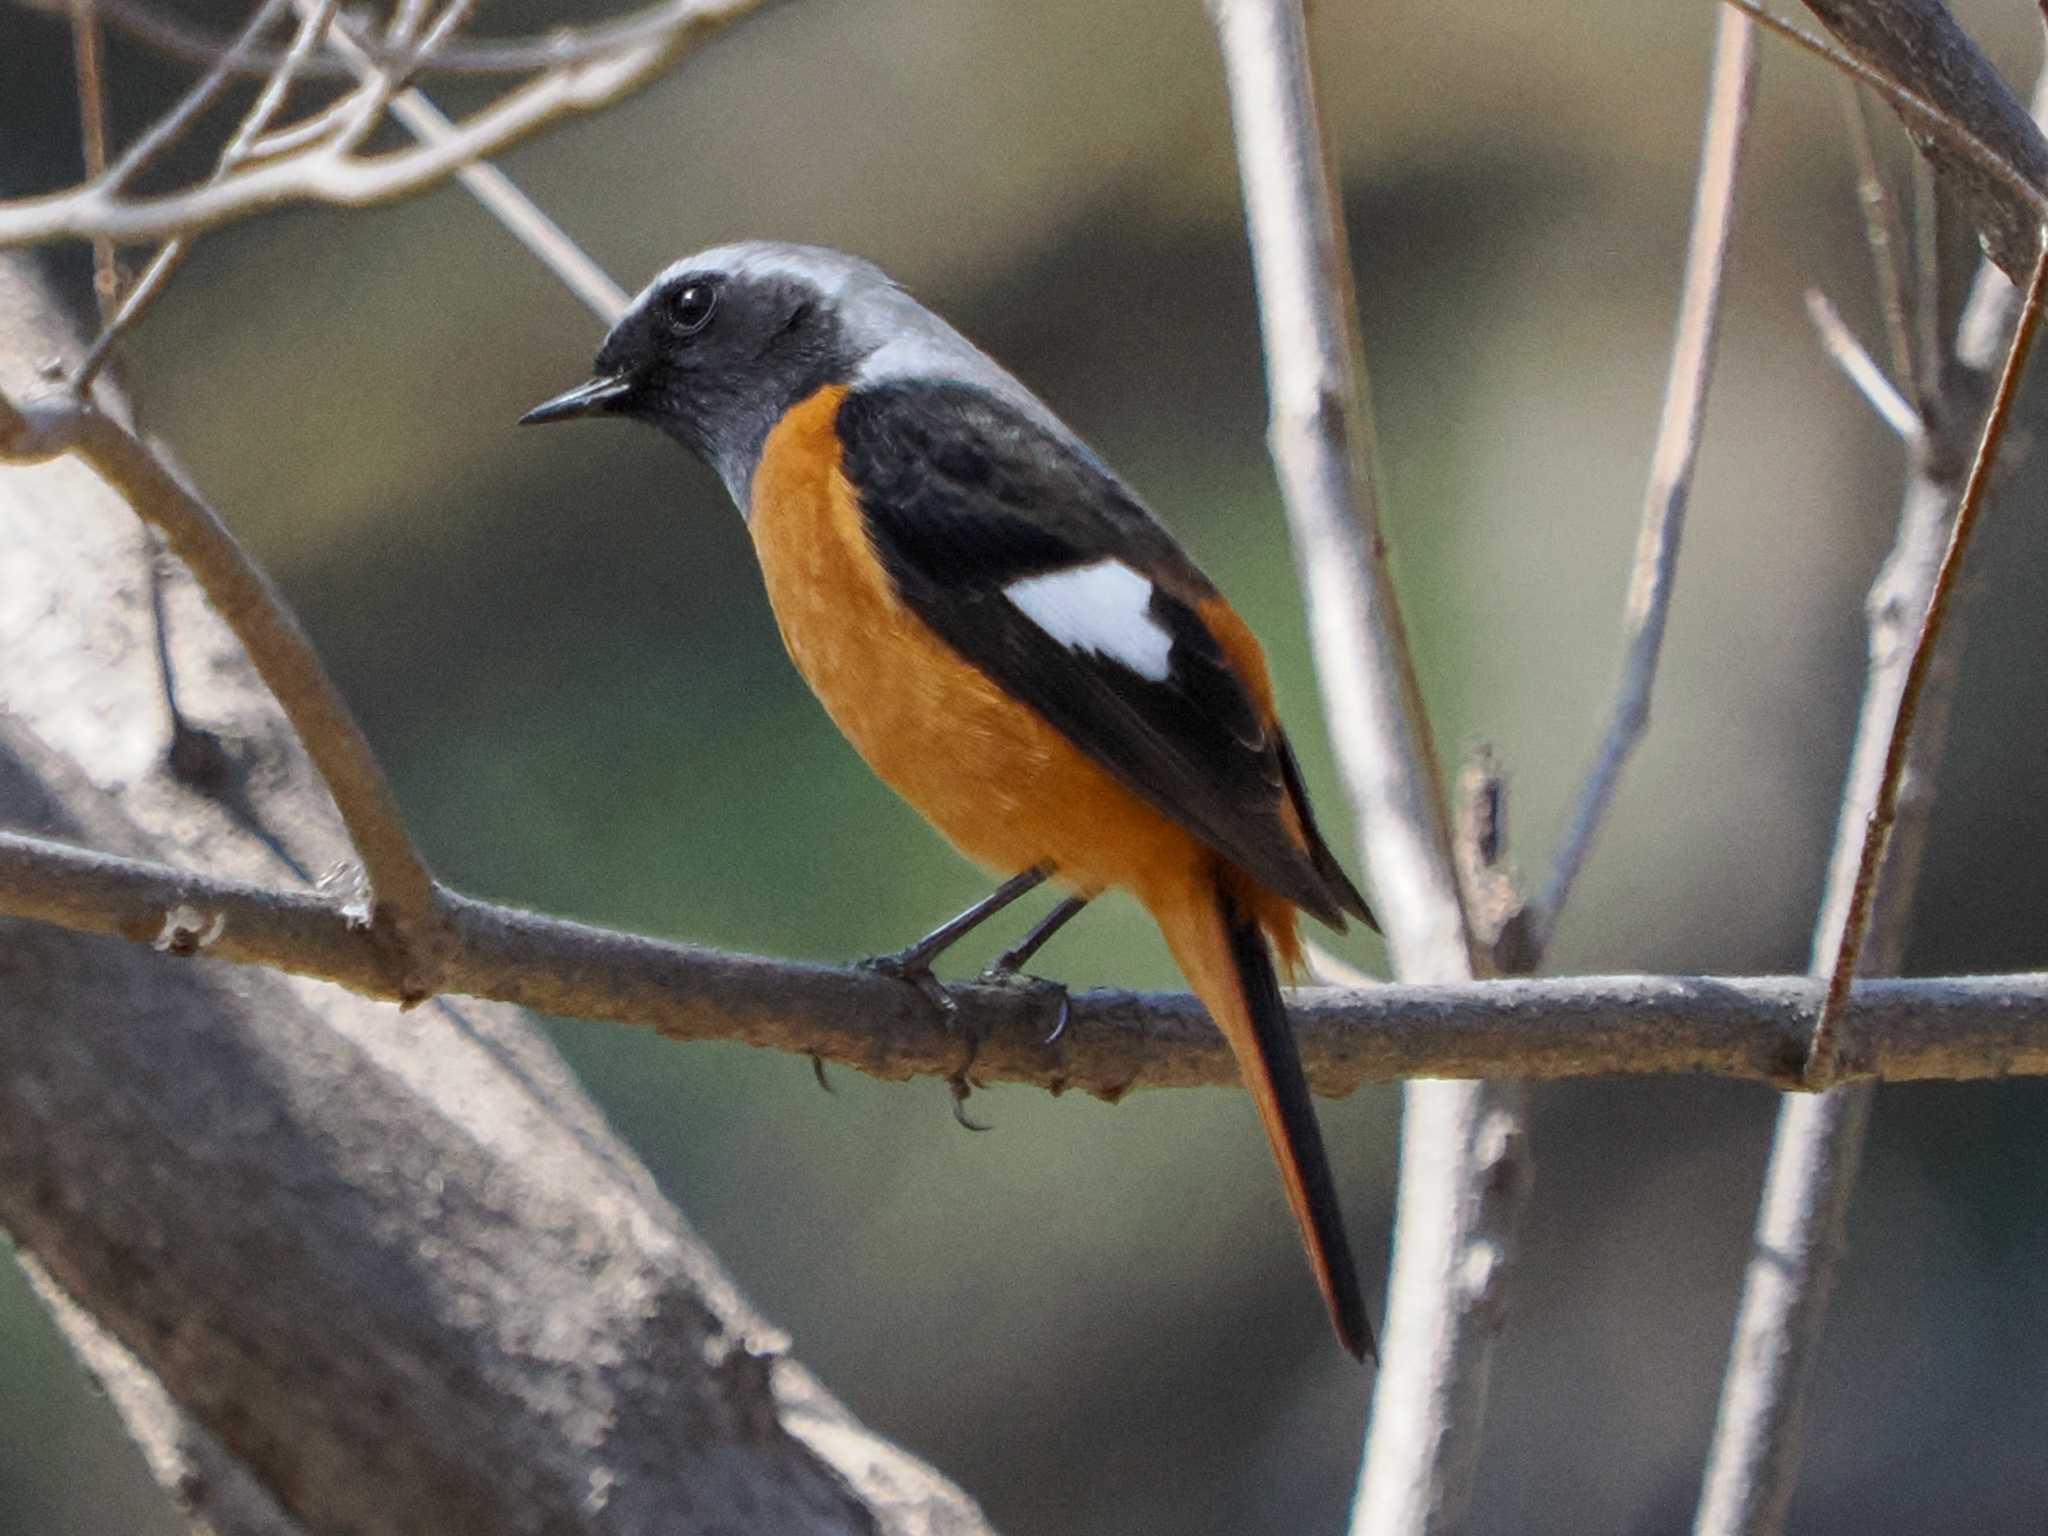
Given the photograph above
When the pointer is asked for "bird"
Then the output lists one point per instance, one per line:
(1009, 637)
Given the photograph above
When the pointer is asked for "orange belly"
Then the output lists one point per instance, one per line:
(1002, 784)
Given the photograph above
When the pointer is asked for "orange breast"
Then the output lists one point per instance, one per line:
(990, 773)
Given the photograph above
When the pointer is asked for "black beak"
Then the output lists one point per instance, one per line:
(593, 398)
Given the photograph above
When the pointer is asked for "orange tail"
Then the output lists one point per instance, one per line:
(1222, 950)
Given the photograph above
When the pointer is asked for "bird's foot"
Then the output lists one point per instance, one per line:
(1004, 973)
(914, 966)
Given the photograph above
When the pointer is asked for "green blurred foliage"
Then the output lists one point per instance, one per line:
(1095, 1317)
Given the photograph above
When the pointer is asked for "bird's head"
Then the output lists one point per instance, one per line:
(722, 343)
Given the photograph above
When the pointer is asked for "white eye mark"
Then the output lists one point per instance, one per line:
(1104, 608)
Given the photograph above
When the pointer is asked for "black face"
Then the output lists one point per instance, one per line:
(714, 359)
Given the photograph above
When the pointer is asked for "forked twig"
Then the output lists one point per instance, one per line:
(330, 172)
(1821, 1061)
(312, 26)
(1679, 427)
(551, 49)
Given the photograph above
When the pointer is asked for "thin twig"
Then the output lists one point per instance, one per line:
(403, 914)
(1680, 423)
(173, 125)
(1882, 233)
(330, 174)
(150, 285)
(548, 242)
(1920, 45)
(1942, 124)
(1861, 369)
(1746, 1028)
(1822, 1064)
(472, 56)
(92, 133)
(1927, 278)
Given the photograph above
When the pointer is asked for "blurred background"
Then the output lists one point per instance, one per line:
(1096, 1318)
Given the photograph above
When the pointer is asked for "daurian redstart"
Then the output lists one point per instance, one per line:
(1006, 634)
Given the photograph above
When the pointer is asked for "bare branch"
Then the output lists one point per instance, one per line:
(1860, 368)
(403, 910)
(1918, 44)
(1954, 131)
(1882, 233)
(1821, 1062)
(1751, 1463)
(1748, 1028)
(1731, 89)
(1463, 1164)
(546, 240)
(331, 174)
(312, 26)
(472, 56)
(1927, 278)
(90, 70)
(172, 126)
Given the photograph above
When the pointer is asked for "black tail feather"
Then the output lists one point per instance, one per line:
(1331, 1250)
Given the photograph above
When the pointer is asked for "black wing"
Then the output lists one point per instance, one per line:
(964, 495)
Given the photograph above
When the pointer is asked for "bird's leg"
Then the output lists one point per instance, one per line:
(914, 964)
(1013, 960)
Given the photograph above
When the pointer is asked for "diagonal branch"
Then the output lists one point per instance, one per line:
(1962, 131)
(403, 912)
(1679, 427)
(1918, 44)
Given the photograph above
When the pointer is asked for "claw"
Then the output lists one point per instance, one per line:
(818, 1071)
(1002, 974)
(1066, 1014)
(960, 1088)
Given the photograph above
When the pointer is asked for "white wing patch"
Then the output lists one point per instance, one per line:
(1105, 608)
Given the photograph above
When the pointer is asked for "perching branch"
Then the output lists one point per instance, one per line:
(1680, 424)
(1749, 1028)
(331, 172)
(1754, 1456)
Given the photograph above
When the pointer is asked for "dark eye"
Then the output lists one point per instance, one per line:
(690, 306)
